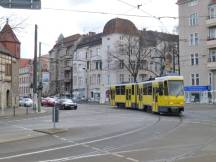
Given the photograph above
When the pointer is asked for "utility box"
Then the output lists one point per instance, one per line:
(55, 114)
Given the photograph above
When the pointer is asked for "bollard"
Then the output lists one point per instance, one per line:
(55, 115)
(14, 112)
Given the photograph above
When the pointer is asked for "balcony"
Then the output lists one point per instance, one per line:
(67, 68)
(211, 42)
(211, 65)
(211, 22)
(67, 80)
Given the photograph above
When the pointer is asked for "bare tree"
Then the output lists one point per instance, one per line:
(132, 53)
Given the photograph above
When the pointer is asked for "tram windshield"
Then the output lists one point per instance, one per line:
(176, 88)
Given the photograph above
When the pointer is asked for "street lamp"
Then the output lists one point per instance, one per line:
(87, 85)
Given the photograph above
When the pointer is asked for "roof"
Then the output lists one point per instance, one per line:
(119, 25)
(4, 50)
(90, 40)
(151, 38)
(24, 62)
(7, 34)
(67, 41)
(181, 1)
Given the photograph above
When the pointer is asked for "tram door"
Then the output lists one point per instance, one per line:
(128, 97)
(140, 97)
(155, 100)
(112, 97)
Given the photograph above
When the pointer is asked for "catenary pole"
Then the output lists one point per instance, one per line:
(35, 71)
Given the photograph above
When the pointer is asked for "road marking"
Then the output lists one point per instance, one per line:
(131, 159)
(22, 127)
(118, 155)
(73, 145)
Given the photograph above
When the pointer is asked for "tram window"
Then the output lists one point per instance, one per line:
(122, 90)
(160, 88)
(145, 89)
(129, 91)
(132, 89)
(118, 90)
(150, 89)
(165, 88)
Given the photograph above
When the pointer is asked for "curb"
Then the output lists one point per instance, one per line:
(51, 131)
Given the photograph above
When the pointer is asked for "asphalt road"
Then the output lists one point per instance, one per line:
(99, 133)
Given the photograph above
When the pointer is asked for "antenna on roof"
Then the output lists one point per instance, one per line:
(138, 6)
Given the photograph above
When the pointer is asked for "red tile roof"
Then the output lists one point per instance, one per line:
(7, 34)
(24, 62)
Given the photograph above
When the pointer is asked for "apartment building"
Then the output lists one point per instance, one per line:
(86, 65)
(197, 35)
(25, 77)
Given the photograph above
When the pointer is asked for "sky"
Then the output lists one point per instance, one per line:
(70, 17)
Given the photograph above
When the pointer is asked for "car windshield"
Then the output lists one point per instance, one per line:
(67, 100)
(175, 88)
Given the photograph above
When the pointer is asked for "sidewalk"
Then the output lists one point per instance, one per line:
(11, 130)
(20, 112)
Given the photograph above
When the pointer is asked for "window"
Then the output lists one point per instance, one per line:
(212, 11)
(142, 77)
(121, 64)
(121, 78)
(212, 55)
(212, 33)
(192, 79)
(194, 39)
(118, 90)
(193, 19)
(98, 51)
(8, 69)
(192, 3)
(98, 79)
(210, 79)
(98, 65)
(195, 79)
(194, 59)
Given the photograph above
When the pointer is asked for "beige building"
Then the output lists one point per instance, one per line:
(9, 65)
(197, 34)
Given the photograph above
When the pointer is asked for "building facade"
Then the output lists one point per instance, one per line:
(25, 77)
(9, 65)
(93, 62)
(197, 34)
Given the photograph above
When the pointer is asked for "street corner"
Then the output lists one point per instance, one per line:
(6, 137)
(51, 131)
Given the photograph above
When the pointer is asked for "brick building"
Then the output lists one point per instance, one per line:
(9, 65)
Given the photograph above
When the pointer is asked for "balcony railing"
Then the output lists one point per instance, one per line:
(211, 42)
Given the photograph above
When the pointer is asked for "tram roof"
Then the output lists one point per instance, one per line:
(155, 80)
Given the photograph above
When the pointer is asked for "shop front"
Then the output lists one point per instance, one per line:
(197, 94)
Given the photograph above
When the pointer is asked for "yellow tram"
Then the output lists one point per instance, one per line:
(161, 95)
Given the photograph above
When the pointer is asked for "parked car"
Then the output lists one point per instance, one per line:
(44, 101)
(50, 101)
(64, 104)
(26, 102)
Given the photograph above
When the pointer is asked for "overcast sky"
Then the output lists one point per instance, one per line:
(64, 16)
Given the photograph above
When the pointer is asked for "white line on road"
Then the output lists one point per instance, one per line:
(131, 159)
(73, 145)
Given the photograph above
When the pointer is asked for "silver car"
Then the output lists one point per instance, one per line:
(64, 104)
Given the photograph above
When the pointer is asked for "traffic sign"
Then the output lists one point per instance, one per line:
(21, 4)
